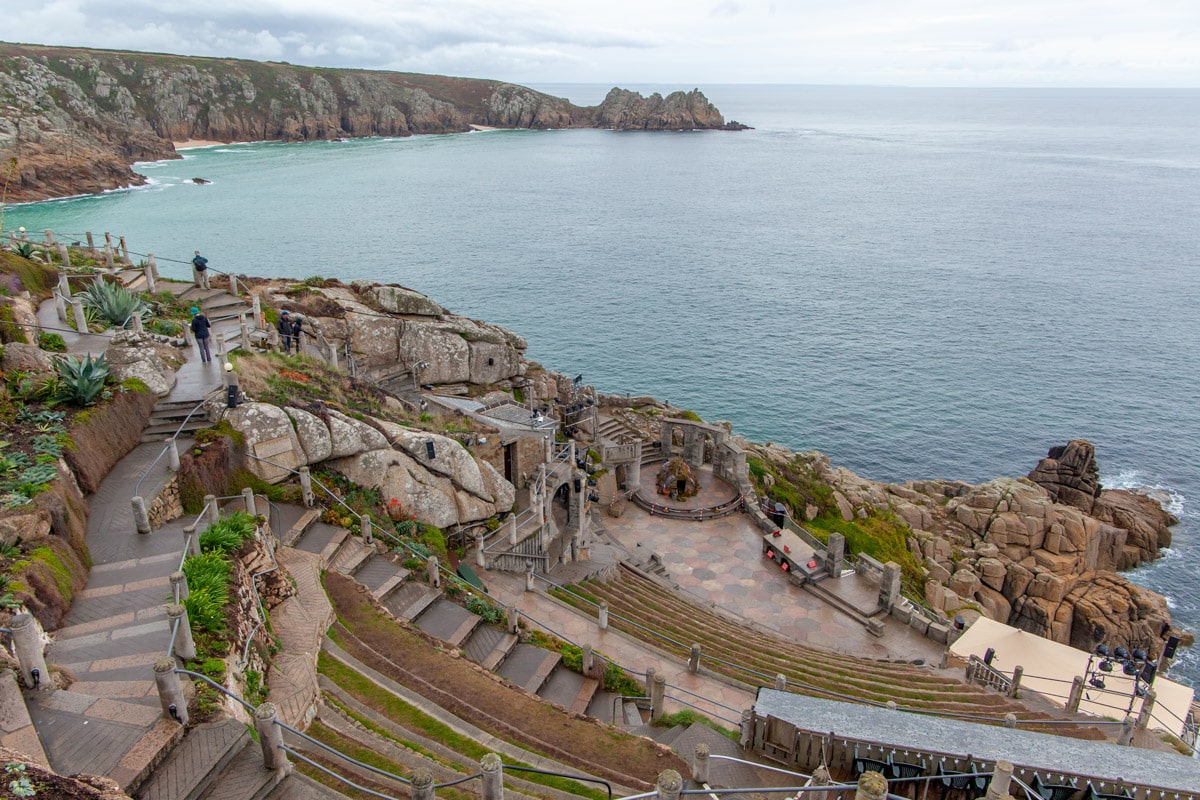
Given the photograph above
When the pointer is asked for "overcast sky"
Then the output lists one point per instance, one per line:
(686, 42)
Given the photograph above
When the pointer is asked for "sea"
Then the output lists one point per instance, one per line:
(920, 283)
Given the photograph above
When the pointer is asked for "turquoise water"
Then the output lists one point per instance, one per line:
(920, 283)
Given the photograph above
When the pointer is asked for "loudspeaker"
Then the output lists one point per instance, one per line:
(429, 451)
(1172, 646)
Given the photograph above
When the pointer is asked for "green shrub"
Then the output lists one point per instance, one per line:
(81, 379)
(227, 534)
(52, 342)
(482, 608)
(208, 591)
(113, 303)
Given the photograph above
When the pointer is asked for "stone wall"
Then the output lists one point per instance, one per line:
(167, 505)
(105, 434)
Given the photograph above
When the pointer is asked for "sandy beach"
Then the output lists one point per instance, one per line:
(189, 144)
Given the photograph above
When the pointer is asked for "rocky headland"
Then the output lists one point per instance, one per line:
(76, 119)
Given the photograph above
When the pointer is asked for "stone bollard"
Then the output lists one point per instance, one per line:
(179, 586)
(30, 651)
(602, 621)
(493, 777)
(124, 251)
(514, 619)
(91, 242)
(658, 693)
(364, 525)
(529, 576)
(190, 540)
(1076, 696)
(588, 660)
(1015, 687)
(65, 255)
(694, 659)
(210, 508)
(152, 264)
(480, 559)
(141, 517)
(820, 777)
(233, 287)
(422, 784)
(781, 682)
(270, 736)
(245, 331)
(256, 308)
(248, 499)
(49, 233)
(1127, 729)
(60, 306)
(669, 786)
(185, 645)
(151, 286)
(173, 455)
(306, 490)
(1147, 710)
(1001, 778)
(746, 729)
(871, 786)
(891, 705)
(170, 690)
(650, 673)
(512, 530)
(80, 318)
(431, 571)
(1010, 720)
(700, 764)
(138, 327)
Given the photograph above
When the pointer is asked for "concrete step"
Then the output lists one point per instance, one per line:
(448, 621)
(667, 735)
(381, 576)
(489, 645)
(528, 666)
(351, 556)
(630, 713)
(583, 699)
(195, 762)
(324, 541)
(562, 687)
(300, 527)
(300, 787)
(245, 778)
(161, 431)
(411, 600)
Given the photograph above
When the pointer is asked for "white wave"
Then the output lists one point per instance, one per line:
(1132, 480)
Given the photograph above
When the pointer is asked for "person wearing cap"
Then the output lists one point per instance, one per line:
(297, 329)
(286, 331)
(200, 328)
(200, 271)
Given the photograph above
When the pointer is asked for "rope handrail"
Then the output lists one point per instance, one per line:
(104, 333)
(248, 706)
(334, 751)
(756, 765)
(296, 754)
(584, 778)
(174, 438)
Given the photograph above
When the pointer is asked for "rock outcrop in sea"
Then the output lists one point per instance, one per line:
(76, 119)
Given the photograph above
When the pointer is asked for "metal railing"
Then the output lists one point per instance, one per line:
(172, 441)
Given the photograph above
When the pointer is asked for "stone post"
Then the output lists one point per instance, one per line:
(60, 306)
(700, 764)
(780, 682)
(670, 784)
(1015, 688)
(529, 576)
(65, 255)
(151, 285)
(602, 621)
(1126, 736)
(170, 690)
(248, 499)
(514, 619)
(185, 646)
(306, 490)
(141, 518)
(179, 586)
(422, 784)
(431, 571)
(124, 250)
(1076, 695)
(27, 644)
(1001, 778)
(91, 243)
(256, 306)
(694, 659)
(210, 506)
(368, 530)
(152, 264)
(138, 327)
(493, 777)
(650, 673)
(1010, 720)
(633, 470)
(658, 693)
(512, 529)
(49, 235)
(80, 318)
(190, 339)
(245, 329)
(480, 559)
(1147, 709)
(746, 729)
(871, 786)
(108, 250)
(233, 287)
(588, 660)
(835, 555)
(270, 736)
(548, 449)
(64, 286)
(333, 357)
(889, 585)
(190, 540)
(173, 455)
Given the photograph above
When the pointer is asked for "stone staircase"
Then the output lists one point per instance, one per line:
(168, 416)
(218, 305)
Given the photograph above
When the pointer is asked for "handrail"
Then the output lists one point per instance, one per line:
(56, 330)
(356, 762)
(137, 486)
(756, 765)
(586, 779)
(262, 611)
(333, 774)
(248, 706)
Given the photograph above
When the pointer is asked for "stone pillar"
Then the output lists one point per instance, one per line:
(588, 661)
(141, 517)
(151, 286)
(432, 572)
(152, 264)
(27, 644)
(49, 236)
(781, 682)
(64, 286)
(179, 586)
(633, 470)
(210, 507)
(602, 620)
(173, 455)
(233, 286)
(367, 528)
(1001, 778)
(306, 490)
(422, 784)
(700, 763)
(65, 255)
(333, 357)
(185, 646)
(650, 673)
(889, 585)
(1127, 727)
(124, 250)
(480, 560)
(658, 694)
(108, 250)
(1010, 720)
(191, 541)
(256, 306)
(529, 575)
(514, 619)
(493, 777)
(170, 690)
(136, 319)
(820, 777)
(248, 499)
(835, 555)
(668, 439)
(548, 452)
(746, 729)
(60, 306)
(1076, 695)
(512, 529)
(80, 317)
(245, 330)
(270, 736)
(1015, 688)
(694, 659)
(871, 786)
(91, 243)
(1147, 709)
(670, 784)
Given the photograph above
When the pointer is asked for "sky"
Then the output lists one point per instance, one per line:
(1069, 43)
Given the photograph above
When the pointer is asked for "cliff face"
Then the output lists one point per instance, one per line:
(75, 119)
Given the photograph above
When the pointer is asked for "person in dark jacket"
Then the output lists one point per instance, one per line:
(201, 329)
(286, 331)
(297, 329)
(200, 271)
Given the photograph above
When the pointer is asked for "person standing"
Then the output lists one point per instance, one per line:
(284, 326)
(201, 329)
(297, 329)
(200, 271)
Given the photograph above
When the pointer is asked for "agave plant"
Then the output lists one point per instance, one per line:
(81, 379)
(113, 303)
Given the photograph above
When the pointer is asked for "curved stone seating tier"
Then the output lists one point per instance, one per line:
(680, 512)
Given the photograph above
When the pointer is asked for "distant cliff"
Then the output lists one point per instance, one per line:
(75, 119)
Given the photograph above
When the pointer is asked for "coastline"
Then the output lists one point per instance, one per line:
(193, 144)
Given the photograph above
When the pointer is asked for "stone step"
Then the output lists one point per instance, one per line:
(495, 658)
(195, 762)
(380, 576)
(165, 430)
(448, 621)
(562, 687)
(300, 527)
(528, 666)
(113, 627)
(245, 778)
(16, 728)
(630, 713)
(300, 787)
(587, 690)
(667, 735)
(411, 600)
(324, 541)
(351, 556)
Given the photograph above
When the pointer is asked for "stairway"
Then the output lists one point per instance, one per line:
(217, 304)
(168, 416)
